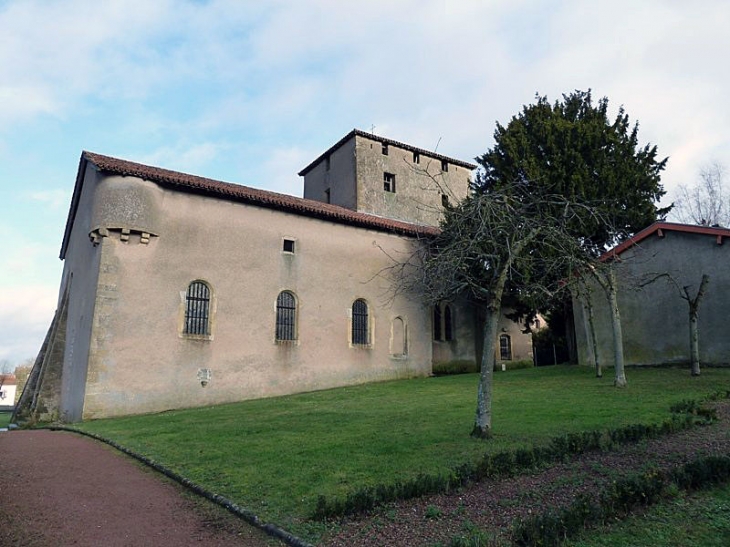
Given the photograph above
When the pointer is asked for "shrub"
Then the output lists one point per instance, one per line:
(552, 527)
(456, 366)
(514, 365)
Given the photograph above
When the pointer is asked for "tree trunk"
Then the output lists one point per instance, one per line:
(694, 344)
(619, 379)
(694, 313)
(588, 313)
(483, 418)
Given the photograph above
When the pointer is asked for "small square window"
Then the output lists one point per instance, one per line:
(389, 182)
(385, 149)
(416, 157)
(444, 166)
(444, 200)
(288, 246)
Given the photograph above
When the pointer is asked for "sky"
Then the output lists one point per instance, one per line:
(250, 91)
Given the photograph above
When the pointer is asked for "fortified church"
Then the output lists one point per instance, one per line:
(181, 291)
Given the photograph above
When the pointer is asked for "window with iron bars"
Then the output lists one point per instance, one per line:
(360, 324)
(505, 347)
(197, 309)
(286, 317)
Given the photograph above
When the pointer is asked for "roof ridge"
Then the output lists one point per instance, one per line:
(256, 196)
(405, 146)
(660, 225)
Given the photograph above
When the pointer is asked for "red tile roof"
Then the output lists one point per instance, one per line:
(236, 192)
(373, 136)
(659, 227)
(8, 379)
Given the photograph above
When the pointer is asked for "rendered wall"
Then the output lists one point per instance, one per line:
(140, 361)
(655, 319)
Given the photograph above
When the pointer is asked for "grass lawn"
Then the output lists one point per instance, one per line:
(275, 456)
(5, 418)
(700, 520)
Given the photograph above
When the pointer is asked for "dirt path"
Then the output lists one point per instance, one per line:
(58, 489)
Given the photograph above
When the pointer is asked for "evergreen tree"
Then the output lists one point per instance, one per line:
(571, 148)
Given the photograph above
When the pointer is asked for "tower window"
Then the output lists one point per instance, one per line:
(444, 166)
(288, 246)
(389, 182)
(328, 196)
(385, 149)
(416, 157)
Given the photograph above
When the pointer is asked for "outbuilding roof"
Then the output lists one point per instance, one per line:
(373, 136)
(659, 228)
(8, 379)
(184, 182)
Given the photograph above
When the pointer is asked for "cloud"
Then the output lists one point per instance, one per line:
(55, 198)
(25, 313)
(282, 167)
(184, 157)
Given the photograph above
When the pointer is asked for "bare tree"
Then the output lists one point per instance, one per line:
(508, 235)
(707, 203)
(693, 304)
(584, 292)
(605, 276)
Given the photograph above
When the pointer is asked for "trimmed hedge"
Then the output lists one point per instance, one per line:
(553, 527)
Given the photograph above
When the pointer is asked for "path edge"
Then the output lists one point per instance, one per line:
(241, 512)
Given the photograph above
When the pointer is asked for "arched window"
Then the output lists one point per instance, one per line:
(286, 316)
(443, 322)
(197, 309)
(448, 324)
(437, 322)
(360, 323)
(505, 347)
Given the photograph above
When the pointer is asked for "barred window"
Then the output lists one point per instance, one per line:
(360, 326)
(505, 347)
(286, 317)
(197, 309)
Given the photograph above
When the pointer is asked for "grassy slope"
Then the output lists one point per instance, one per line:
(700, 520)
(274, 456)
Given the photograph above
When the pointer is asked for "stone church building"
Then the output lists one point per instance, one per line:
(181, 291)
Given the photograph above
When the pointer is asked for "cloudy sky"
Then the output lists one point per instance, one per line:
(250, 91)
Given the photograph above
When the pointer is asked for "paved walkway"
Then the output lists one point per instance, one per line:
(58, 488)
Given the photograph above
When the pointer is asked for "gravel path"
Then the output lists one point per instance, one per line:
(58, 489)
(493, 505)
